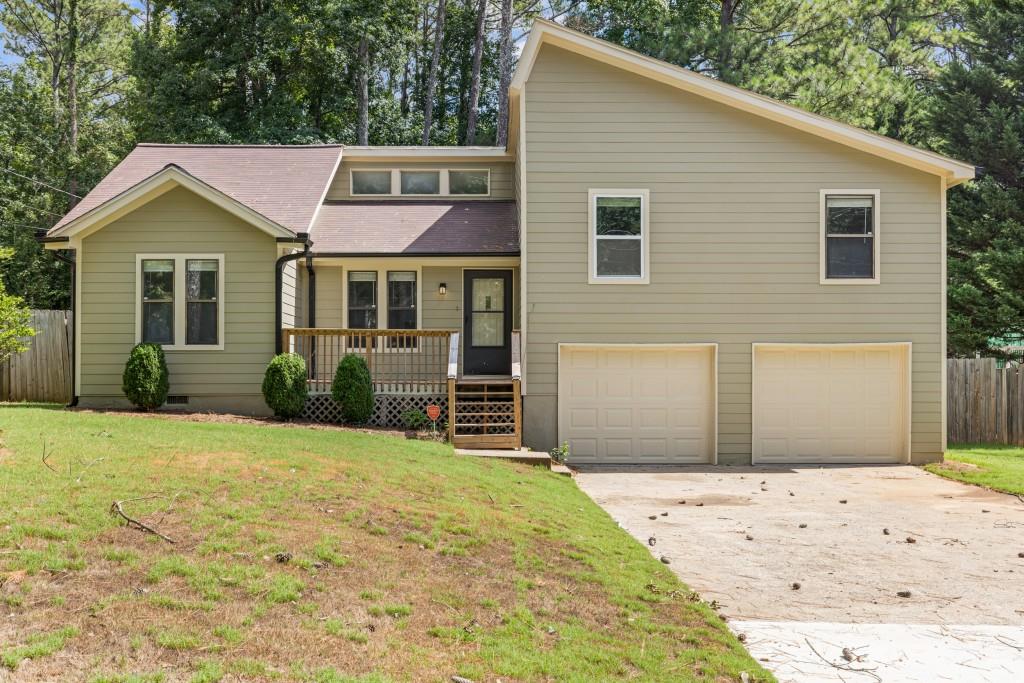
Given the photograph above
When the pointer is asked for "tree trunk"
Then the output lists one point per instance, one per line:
(403, 102)
(435, 59)
(363, 93)
(474, 79)
(504, 69)
(725, 22)
(72, 97)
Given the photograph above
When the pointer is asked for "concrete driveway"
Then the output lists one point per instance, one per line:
(808, 561)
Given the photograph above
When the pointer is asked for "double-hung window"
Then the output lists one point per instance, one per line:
(158, 301)
(180, 301)
(619, 248)
(849, 237)
(362, 299)
(402, 300)
(402, 306)
(380, 299)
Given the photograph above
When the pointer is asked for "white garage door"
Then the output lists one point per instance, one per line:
(831, 403)
(637, 404)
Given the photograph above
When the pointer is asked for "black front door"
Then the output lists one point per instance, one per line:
(487, 329)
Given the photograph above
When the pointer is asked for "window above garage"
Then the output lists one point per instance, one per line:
(619, 250)
(849, 237)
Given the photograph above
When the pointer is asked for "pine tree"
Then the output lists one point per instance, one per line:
(979, 115)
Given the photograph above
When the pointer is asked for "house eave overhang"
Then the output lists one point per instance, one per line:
(145, 191)
(415, 254)
(427, 153)
(549, 33)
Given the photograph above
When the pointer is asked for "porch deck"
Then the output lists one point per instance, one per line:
(411, 369)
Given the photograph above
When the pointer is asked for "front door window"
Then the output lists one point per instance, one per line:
(488, 311)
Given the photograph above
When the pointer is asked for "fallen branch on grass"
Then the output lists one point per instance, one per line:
(844, 667)
(116, 509)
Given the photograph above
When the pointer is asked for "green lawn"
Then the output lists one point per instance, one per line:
(321, 555)
(995, 467)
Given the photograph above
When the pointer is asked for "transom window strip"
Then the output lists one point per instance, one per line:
(421, 182)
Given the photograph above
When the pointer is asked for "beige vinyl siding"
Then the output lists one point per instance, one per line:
(289, 294)
(179, 222)
(501, 177)
(734, 229)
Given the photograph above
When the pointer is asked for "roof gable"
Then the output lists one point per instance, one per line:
(277, 188)
(546, 32)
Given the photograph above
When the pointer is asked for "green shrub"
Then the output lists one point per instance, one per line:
(284, 385)
(353, 389)
(414, 419)
(145, 380)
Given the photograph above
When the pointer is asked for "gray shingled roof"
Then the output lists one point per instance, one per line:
(282, 183)
(416, 227)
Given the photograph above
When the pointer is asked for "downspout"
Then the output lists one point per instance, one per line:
(311, 294)
(311, 310)
(73, 264)
(279, 282)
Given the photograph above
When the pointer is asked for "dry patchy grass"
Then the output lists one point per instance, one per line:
(320, 555)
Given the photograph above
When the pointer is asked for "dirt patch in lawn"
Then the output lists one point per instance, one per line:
(954, 466)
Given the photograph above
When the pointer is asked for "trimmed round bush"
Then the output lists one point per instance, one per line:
(284, 385)
(145, 380)
(353, 389)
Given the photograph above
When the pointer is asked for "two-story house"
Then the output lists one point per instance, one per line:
(658, 268)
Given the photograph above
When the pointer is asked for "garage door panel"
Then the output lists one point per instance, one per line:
(830, 404)
(652, 404)
(621, 418)
(583, 387)
(586, 448)
(648, 418)
(584, 359)
(615, 449)
(583, 418)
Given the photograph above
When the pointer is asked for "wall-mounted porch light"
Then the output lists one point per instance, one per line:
(442, 289)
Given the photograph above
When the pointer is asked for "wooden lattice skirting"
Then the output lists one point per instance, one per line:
(387, 408)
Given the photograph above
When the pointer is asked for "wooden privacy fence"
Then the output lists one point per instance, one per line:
(43, 372)
(985, 403)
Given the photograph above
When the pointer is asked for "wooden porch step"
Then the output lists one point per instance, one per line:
(523, 455)
(481, 425)
(485, 441)
(465, 413)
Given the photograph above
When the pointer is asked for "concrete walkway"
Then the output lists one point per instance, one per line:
(916, 576)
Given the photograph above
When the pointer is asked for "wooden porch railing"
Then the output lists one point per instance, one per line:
(517, 389)
(400, 361)
(453, 376)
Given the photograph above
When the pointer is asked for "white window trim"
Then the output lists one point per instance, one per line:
(180, 303)
(876, 247)
(396, 182)
(645, 237)
(382, 268)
